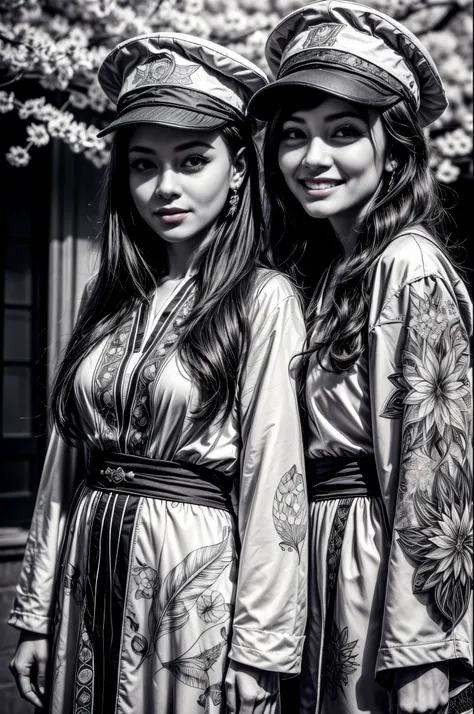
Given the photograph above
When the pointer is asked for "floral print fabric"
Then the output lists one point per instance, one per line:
(407, 403)
(155, 595)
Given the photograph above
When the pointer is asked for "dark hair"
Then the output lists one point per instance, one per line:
(308, 246)
(215, 335)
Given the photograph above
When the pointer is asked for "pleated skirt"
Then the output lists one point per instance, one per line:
(145, 598)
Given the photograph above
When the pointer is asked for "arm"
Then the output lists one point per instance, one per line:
(422, 432)
(33, 606)
(32, 609)
(270, 609)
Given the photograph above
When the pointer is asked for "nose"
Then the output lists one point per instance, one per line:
(167, 184)
(318, 154)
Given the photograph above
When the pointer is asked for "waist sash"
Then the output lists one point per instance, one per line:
(341, 477)
(167, 480)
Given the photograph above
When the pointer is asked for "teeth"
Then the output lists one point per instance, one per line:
(319, 185)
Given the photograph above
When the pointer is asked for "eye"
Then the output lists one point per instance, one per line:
(195, 162)
(347, 131)
(292, 133)
(142, 165)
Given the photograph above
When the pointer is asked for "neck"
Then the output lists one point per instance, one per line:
(347, 236)
(180, 258)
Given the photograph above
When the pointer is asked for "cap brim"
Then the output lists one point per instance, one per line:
(340, 83)
(175, 117)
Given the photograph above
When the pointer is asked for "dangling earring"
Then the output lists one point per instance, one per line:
(390, 183)
(233, 203)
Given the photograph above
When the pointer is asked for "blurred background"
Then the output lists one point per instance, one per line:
(51, 107)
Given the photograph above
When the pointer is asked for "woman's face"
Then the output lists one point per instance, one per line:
(332, 158)
(180, 179)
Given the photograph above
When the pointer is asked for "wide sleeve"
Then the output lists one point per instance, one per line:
(34, 602)
(422, 431)
(270, 610)
(33, 606)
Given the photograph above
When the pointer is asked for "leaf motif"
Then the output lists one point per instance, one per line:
(290, 510)
(190, 671)
(209, 657)
(185, 582)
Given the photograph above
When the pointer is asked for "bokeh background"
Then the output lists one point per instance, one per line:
(51, 161)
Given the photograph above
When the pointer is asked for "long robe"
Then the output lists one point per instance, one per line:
(147, 598)
(390, 577)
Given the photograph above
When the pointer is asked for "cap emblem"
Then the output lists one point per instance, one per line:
(164, 71)
(322, 35)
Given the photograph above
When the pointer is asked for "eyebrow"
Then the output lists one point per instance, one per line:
(329, 117)
(181, 147)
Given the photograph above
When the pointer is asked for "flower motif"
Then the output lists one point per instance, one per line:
(453, 556)
(443, 548)
(147, 580)
(211, 606)
(290, 510)
(341, 662)
(438, 389)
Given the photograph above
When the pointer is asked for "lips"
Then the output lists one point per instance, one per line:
(170, 211)
(171, 214)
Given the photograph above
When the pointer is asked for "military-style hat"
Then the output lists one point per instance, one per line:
(177, 80)
(351, 51)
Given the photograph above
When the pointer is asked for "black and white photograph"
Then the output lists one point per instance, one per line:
(236, 431)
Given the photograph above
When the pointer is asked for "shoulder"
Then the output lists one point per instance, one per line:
(410, 257)
(271, 287)
(414, 263)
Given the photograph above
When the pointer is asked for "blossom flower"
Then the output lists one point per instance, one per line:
(31, 107)
(7, 103)
(18, 156)
(37, 134)
(447, 172)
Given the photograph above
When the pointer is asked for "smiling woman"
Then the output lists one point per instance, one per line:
(387, 367)
(180, 183)
(179, 381)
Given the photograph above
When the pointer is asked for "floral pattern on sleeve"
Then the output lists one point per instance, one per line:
(434, 516)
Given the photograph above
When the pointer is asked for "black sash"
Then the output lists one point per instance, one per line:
(167, 480)
(341, 477)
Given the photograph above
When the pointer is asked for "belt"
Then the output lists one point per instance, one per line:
(167, 480)
(341, 477)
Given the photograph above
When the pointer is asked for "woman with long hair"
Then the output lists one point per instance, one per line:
(156, 585)
(356, 216)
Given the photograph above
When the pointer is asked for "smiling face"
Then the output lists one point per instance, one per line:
(179, 180)
(332, 158)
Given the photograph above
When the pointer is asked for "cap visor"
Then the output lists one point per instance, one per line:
(347, 85)
(176, 117)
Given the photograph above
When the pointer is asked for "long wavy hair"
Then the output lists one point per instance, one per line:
(215, 335)
(305, 247)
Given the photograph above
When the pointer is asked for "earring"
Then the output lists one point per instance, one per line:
(233, 203)
(390, 183)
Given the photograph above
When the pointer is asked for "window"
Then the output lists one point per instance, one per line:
(24, 223)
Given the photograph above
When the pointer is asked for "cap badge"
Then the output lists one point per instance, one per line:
(164, 71)
(322, 35)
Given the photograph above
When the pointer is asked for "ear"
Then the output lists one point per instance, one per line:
(390, 164)
(239, 169)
